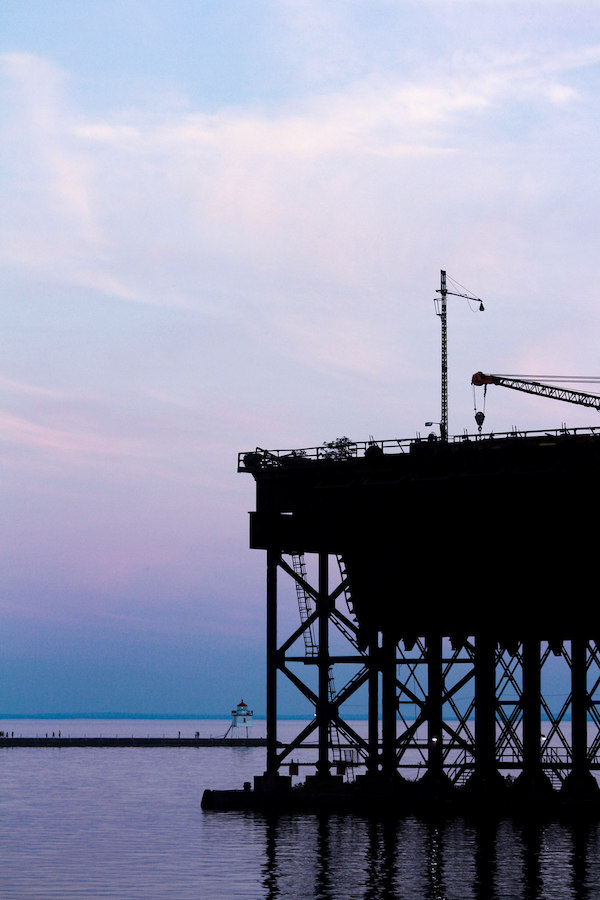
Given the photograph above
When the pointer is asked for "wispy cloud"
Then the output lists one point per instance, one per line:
(279, 219)
(74, 444)
(48, 163)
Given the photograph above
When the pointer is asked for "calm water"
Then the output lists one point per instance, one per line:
(126, 823)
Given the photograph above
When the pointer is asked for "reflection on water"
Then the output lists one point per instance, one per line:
(127, 825)
(335, 857)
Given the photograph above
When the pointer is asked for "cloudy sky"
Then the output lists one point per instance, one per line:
(223, 225)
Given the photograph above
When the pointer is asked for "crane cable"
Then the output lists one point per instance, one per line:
(572, 379)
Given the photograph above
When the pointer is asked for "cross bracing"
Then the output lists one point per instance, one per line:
(436, 687)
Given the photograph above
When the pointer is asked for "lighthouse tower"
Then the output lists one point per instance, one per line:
(241, 717)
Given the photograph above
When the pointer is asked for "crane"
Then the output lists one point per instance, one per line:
(529, 386)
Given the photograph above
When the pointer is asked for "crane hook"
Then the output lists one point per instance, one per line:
(479, 415)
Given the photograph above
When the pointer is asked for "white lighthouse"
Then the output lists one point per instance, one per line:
(241, 717)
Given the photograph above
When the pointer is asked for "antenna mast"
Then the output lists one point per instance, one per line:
(444, 321)
(443, 292)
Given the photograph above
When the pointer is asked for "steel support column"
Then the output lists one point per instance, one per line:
(579, 707)
(389, 705)
(485, 706)
(373, 709)
(272, 661)
(532, 699)
(323, 612)
(434, 705)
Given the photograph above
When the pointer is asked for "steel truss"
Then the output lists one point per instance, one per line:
(322, 619)
(452, 707)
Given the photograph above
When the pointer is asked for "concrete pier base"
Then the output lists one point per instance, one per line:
(374, 795)
(581, 787)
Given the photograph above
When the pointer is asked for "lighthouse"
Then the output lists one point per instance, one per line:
(241, 717)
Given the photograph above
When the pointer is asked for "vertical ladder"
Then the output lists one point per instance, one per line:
(343, 576)
(305, 605)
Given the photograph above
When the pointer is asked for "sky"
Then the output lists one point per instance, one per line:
(222, 227)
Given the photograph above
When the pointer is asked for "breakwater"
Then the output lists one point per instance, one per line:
(99, 741)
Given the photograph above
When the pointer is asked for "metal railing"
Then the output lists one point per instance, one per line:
(345, 450)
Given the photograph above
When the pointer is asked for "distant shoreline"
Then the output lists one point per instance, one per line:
(158, 717)
(172, 717)
(125, 716)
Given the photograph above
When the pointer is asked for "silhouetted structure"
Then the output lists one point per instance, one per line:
(465, 568)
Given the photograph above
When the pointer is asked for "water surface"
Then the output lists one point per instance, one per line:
(126, 823)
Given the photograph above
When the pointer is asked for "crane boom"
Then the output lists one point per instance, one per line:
(536, 387)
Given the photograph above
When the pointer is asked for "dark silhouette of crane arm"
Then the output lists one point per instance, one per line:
(536, 387)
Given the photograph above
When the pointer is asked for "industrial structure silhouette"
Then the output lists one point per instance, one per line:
(436, 580)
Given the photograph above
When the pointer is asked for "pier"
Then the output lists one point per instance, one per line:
(131, 742)
(438, 581)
